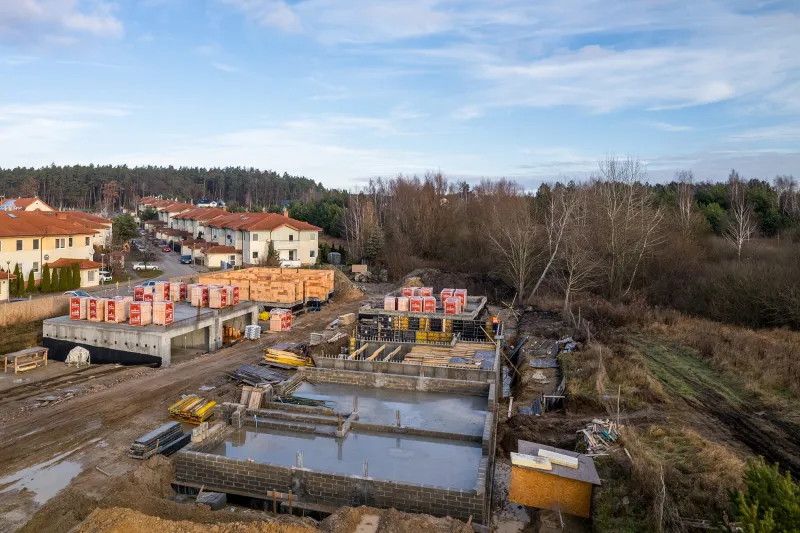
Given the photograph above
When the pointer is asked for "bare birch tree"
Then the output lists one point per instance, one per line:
(562, 204)
(513, 234)
(360, 221)
(685, 201)
(627, 220)
(742, 222)
(578, 267)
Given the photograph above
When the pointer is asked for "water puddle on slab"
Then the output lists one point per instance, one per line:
(45, 480)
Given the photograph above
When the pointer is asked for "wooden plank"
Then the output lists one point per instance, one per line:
(531, 461)
(394, 352)
(354, 354)
(376, 353)
(559, 458)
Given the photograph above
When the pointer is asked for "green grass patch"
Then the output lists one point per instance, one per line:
(682, 371)
(149, 274)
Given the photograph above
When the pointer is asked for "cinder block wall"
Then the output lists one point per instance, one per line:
(393, 381)
(222, 473)
(406, 369)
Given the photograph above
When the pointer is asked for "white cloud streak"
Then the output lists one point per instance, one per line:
(57, 21)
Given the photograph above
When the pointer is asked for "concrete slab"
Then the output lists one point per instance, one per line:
(451, 413)
(407, 459)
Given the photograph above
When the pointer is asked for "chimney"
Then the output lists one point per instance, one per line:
(285, 212)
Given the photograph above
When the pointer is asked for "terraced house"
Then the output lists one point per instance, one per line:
(31, 239)
(244, 238)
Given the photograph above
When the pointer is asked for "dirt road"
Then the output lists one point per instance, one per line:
(95, 427)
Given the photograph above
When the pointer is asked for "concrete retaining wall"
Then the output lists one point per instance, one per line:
(393, 381)
(32, 310)
(218, 473)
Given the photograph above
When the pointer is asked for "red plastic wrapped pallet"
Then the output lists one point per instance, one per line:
(428, 304)
(141, 313)
(163, 313)
(452, 306)
(97, 310)
(408, 291)
(149, 297)
(415, 304)
(426, 291)
(462, 294)
(446, 293)
(402, 303)
(235, 295)
(161, 291)
(78, 308)
(390, 303)
(117, 310)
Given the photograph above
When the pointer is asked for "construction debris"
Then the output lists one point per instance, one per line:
(192, 409)
(282, 357)
(599, 436)
(164, 440)
(300, 400)
(259, 375)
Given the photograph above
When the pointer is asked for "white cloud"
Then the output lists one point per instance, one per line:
(31, 133)
(225, 67)
(784, 132)
(59, 22)
(666, 126)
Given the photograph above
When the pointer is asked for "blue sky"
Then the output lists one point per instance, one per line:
(344, 90)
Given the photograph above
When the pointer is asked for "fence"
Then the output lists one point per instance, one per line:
(34, 309)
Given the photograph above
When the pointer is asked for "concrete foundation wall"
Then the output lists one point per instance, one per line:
(218, 473)
(393, 381)
(405, 369)
(82, 332)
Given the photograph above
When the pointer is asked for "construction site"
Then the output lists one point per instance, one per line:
(291, 395)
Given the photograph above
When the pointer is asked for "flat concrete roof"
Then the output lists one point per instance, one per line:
(475, 305)
(185, 315)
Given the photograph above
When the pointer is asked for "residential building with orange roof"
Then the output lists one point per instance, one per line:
(32, 238)
(24, 204)
(90, 270)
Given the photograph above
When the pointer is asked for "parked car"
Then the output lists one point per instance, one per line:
(77, 293)
(144, 266)
(186, 260)
(166, 249)
(148, 283)
(105, 276)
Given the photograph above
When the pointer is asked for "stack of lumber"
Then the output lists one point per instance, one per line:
(282, 357)
(192, 409)
(599, 436)
(259, 375)
(276, 285)
(230, 334)
(166, 439)
(428, 355)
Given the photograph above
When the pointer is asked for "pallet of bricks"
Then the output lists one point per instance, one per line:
(213, 296)
(276, 285)
(280, 320)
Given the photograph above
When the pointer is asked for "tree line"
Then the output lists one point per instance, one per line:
(55, 280)
(113, 187)
(727, 251)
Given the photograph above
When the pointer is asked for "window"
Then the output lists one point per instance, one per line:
(291, 237)
(255, 236)
(35, 244)
(59, 243)
(232, 259)
(313, 236)
(36, 267)
(291, 255)
(313, 253)
(90, 275)
(19, 244)
(255, 255)
(70, 242)
(87, 241)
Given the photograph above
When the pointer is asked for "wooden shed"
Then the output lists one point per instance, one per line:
(561, 488)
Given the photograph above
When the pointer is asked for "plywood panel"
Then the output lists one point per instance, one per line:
(546, 491)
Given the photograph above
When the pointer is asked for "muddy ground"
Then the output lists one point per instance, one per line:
(94, 417)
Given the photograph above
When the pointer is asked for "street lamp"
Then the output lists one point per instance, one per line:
(8, 278)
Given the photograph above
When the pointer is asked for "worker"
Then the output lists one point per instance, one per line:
(495, 324)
